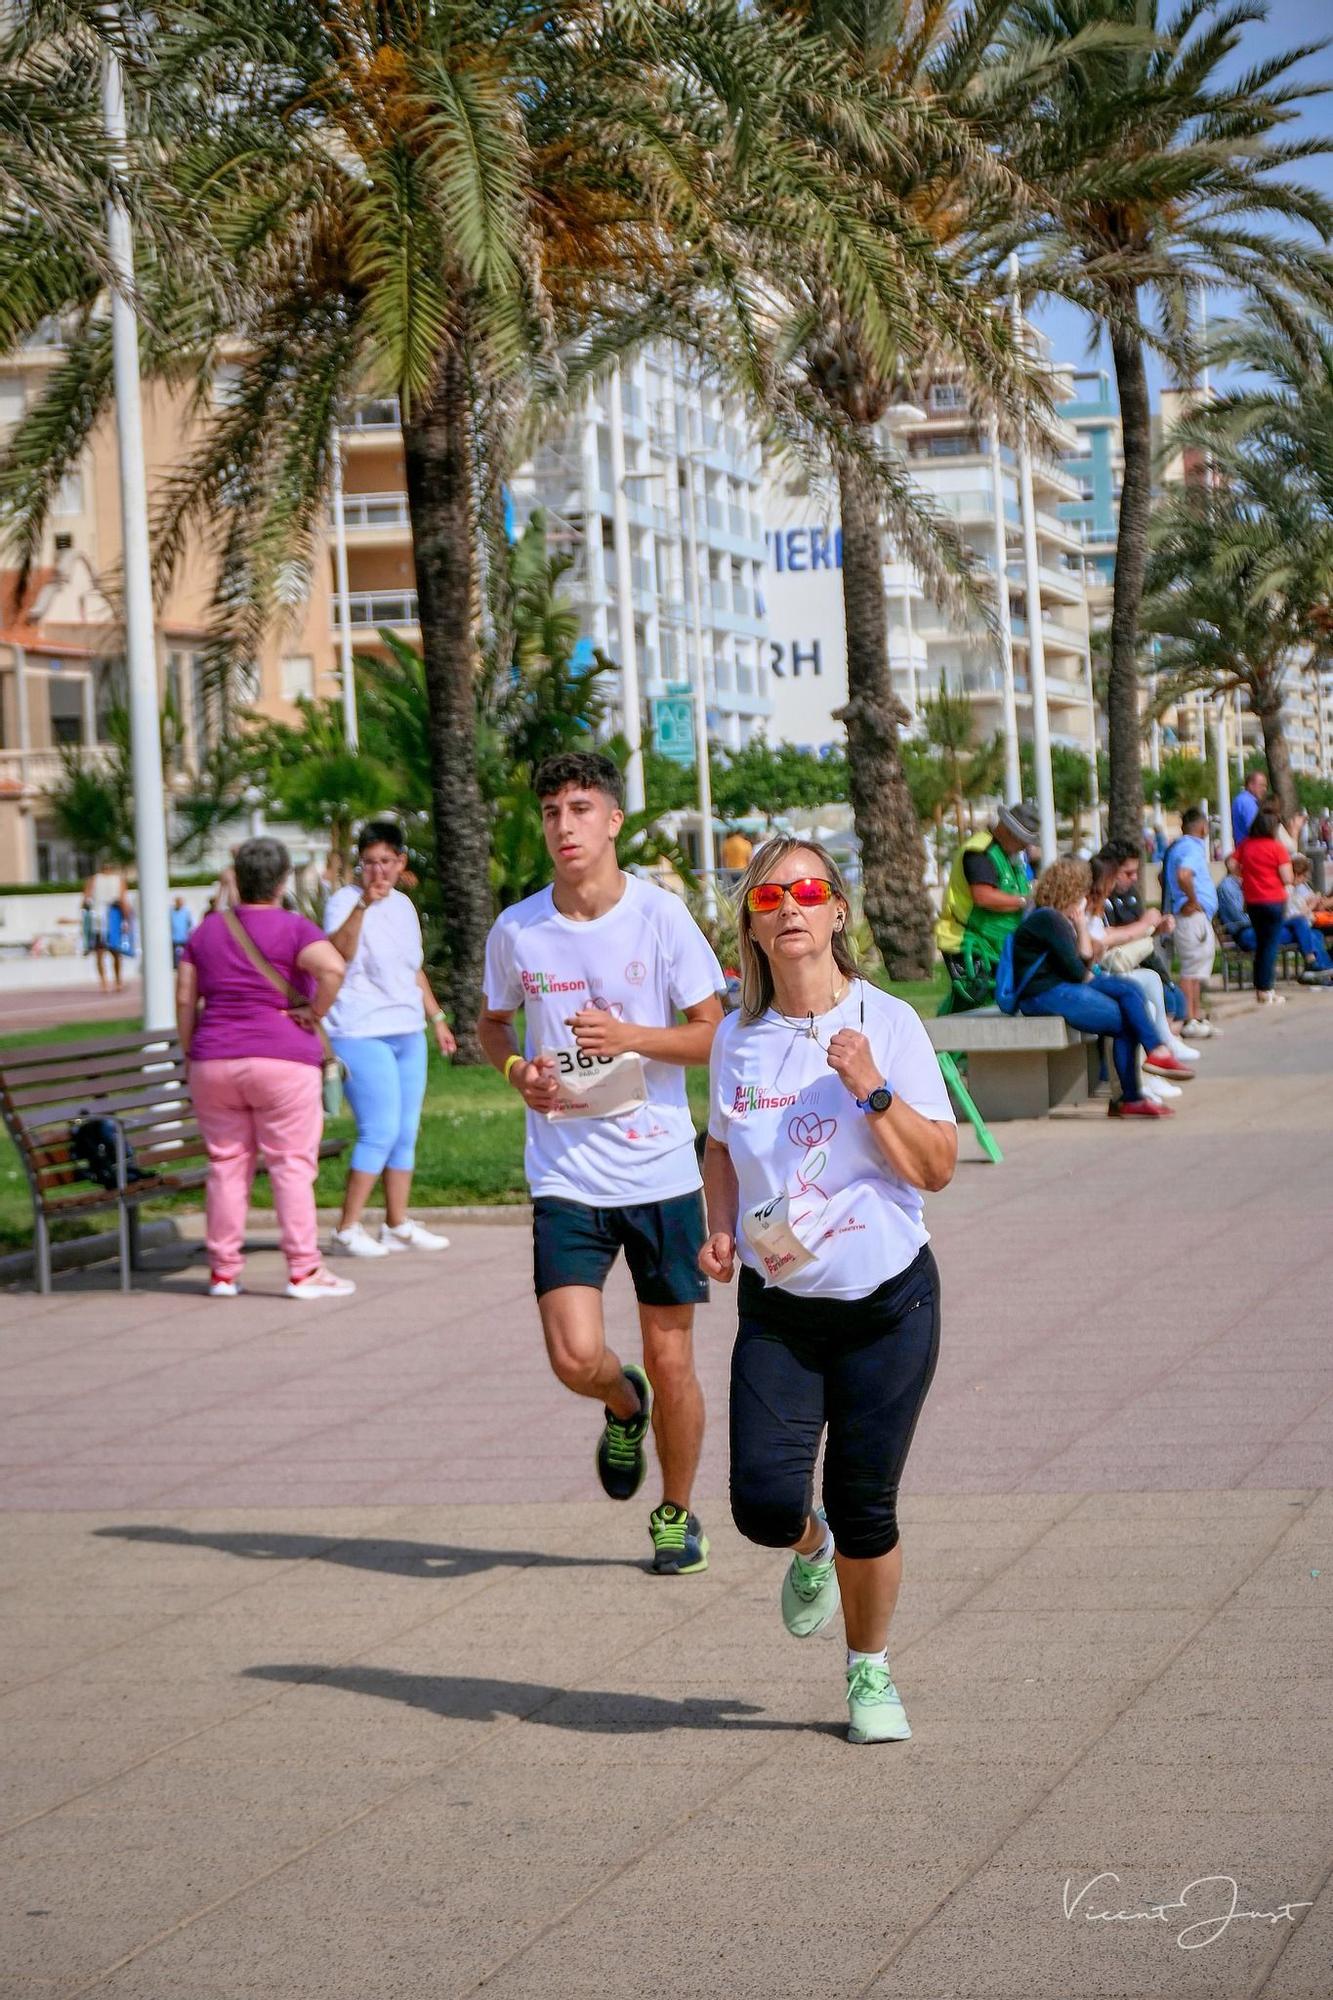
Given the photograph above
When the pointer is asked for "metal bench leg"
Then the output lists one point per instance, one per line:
(136, 1249)
(126, 1255)
(950, 1072)
(41, 1247)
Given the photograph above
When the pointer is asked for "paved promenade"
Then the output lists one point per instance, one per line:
(328, 1670)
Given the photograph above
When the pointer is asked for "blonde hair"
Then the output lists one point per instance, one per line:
(756, 973)
(1060, 886)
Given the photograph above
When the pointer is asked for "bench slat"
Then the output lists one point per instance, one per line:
(91, 1090)
(26, 1088)
(39, 1053)
(73, 1108)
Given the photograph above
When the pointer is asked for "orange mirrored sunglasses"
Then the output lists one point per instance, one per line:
(807, 894)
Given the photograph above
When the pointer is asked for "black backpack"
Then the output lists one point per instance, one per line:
(92, 1145)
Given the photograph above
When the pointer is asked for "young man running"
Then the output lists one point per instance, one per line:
(601, 964)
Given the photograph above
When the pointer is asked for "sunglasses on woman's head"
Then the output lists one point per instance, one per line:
(807, 894)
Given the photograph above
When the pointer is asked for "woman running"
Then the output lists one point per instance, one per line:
(828, 1116)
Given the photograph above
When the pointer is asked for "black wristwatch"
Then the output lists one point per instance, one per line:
(878, 1100)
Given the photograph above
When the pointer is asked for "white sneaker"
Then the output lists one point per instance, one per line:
(1272, 998)
(224, 1288)
(357, 1242)
(1159, 1089)
(1199, 1030)
(411, 1235)
(1182, 1050)
(321, 1284)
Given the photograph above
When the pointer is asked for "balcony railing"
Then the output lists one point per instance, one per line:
(40, 770)
(378, 607)
(382, 414)
(374, 510)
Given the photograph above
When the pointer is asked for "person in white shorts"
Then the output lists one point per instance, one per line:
(602, 963)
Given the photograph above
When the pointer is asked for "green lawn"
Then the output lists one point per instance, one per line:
(470, 1149)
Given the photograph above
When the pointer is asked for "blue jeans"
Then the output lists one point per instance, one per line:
(1109, 1006)
(1297, 931)
(386, 1085)
(1267, 921)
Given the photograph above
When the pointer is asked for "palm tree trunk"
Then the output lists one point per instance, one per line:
(437, 452)
(1267, 700)
(892, 856)
(1131, 563)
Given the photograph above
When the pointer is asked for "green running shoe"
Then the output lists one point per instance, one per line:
(874, 1712)
(621, 1459)
(680, 1546)
(810, 1595)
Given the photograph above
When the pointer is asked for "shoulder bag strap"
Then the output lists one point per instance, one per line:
(273, 976)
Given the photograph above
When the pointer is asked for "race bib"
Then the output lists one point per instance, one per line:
(596, 1086)
(767, 1230)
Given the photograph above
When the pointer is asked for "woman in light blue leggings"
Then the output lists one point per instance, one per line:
(377, 1028)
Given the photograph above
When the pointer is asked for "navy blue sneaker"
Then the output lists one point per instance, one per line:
(621, 1459)
(680, 1546)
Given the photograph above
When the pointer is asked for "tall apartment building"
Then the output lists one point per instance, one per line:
(1097, 466)
(659, 479)
(664, 473)
(949, 454)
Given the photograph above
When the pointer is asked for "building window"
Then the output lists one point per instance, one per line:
(298, 677)
(948, 396)
(69, 495)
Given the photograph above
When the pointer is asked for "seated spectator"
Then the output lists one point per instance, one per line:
(1291, 829)
(1123, 950)
(1125, 905)
(1302, 900)
(1189, 894)
(1053, 957)
(1306, 915)
(986, 894)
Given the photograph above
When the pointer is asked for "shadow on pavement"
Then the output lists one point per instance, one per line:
(594, 1711)
(433, 1559)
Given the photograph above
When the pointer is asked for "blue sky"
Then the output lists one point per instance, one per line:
(1290, 23)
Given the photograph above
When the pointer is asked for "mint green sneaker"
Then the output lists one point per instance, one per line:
(810, 1595)
(874, 1712)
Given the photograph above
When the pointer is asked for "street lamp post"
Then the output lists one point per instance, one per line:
(703, 771)
(150, 827)
(351, 732)
(631, 706)
(1041, 722)
(1013, 776)
(1223, 776)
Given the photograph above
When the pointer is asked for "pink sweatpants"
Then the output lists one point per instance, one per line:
(248, 1105)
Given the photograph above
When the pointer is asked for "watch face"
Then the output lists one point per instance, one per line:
(880, 1100)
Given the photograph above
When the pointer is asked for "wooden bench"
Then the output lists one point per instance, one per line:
(138, 1081)
(1018, 1065)
(1238, 966)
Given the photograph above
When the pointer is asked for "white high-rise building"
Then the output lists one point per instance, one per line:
(691, 481)
(951, 459)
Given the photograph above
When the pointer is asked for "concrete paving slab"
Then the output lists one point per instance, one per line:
(336, 1673)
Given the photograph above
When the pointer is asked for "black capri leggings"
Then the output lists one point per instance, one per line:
(862, 1367)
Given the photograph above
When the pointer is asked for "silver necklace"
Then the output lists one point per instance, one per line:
(806, 1027)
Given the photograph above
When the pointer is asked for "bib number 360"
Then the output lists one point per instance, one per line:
(574, 1061)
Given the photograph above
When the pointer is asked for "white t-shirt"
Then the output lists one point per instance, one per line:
(379, 994)
(641, 961)
(792, 1126)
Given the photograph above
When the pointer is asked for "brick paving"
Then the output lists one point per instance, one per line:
(326, 1667)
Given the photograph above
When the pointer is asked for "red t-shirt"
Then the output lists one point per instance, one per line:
(1260, 861)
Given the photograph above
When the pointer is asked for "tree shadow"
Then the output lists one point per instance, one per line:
(594, 1711)
(388, 1558)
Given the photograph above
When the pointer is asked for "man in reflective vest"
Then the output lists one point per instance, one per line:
(986, 894)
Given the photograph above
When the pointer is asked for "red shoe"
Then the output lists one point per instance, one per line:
(1168, 1065)
(1138, 1107)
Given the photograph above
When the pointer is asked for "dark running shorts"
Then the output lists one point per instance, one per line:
(575, 1245)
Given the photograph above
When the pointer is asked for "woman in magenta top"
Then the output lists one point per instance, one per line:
(255, 1059)
(1265, 877)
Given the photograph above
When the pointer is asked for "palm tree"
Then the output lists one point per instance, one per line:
(426, 198)
(1154, 168)
(1240, 583)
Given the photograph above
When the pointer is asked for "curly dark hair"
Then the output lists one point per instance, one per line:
(588, 770)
